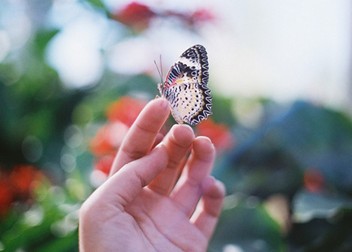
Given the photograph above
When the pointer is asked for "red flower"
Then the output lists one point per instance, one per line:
(108, 139)
(24, 179)
(192, 19)
(121, 115)
(6, 195)
(201, 16)
(219, 134)
(135, 15)
(104, 164)
(313, 180)
(125, 110)
(18, 185)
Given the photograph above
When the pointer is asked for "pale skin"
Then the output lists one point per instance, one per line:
(157, 198)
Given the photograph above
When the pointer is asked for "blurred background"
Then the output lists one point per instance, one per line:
(75, 74)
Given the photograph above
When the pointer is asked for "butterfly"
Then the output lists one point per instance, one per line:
(186, 87)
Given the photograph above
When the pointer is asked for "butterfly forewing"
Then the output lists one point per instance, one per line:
(186, 87)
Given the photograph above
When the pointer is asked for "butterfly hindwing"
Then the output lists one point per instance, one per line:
(186, 87)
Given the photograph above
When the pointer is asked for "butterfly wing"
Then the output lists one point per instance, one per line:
(186, 87)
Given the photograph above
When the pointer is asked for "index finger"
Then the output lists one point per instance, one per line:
(141, 136)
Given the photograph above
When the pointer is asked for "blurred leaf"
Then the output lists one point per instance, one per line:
(320, 138)
(98, 4)
(33, 231)
(323, 235)
(41, 40)
(253, 169)
(68, 243)
(112, 88)
(248, 227)
(302, 137)
(274, 157)
(222, 110)
(307, 205)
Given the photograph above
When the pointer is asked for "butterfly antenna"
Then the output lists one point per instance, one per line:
(159, 70)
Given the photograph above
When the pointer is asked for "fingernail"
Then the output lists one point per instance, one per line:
(183, 133)
(209, 181)
(163, 102)
(183, 127)
(204, 138)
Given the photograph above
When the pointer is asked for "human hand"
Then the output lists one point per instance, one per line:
(156, 198)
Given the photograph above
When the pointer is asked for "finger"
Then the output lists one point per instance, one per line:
(188, 189)
(209, 208)
(159, 137)
(143, 133)
(123, 187)
(178, 143)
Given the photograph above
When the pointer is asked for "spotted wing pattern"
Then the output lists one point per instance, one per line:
(186, 87)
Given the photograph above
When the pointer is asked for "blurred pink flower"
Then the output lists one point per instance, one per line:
(313, 180)
(192, 19)
(6, 195)
(219, 134)
(24, 179)
(125, 110)
(18, 185)
(201, 16)
(135, 15)
(108, 139)
(104, 164)
(120, 114)
(138, 16)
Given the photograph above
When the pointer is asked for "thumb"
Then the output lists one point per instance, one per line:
(124, 186)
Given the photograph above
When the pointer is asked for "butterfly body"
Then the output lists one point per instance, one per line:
(186, 87)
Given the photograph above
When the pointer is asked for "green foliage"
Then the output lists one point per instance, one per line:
(277, 158)
(246, 226)
(48, 225)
